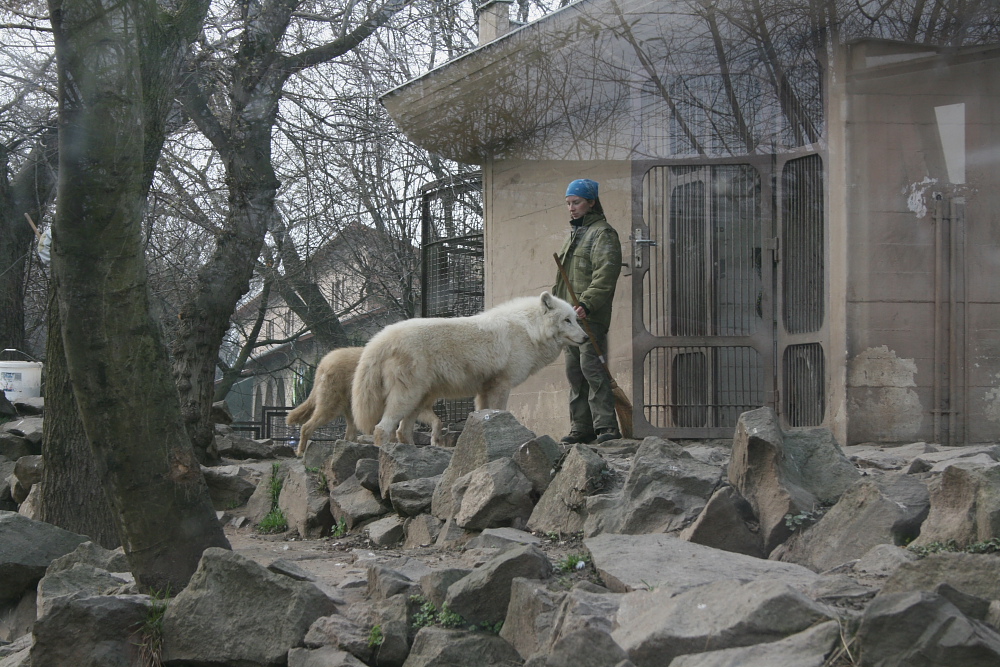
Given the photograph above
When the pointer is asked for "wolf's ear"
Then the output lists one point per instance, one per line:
(547, 300)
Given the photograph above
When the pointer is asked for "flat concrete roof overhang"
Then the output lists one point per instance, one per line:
(528, 82)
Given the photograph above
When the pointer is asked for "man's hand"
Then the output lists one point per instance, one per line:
(581, 312)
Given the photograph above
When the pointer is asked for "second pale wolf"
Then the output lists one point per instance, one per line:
(330, 396)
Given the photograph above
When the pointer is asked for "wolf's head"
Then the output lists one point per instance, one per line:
(561, 321)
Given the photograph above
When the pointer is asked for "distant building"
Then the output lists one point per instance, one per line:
(364, 276)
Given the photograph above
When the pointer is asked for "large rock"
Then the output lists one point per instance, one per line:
(638, 562)
(28, 470)
(324, 656)
(785, 473)
(656, 627)
(666, 489)
(80, 580)
(584, 648)
(229, 486)
(587, 609)
(261, 501)
(338, 632)
(497, 494)
(27, 548)
(972, 574)
(531, 616)
(421, 531)
(482, 596)
(965, 506)
(354, 504)
(93, 554)
(385, 532)
(234, 446)
(306, 502)
(808, 648)
(488, 435)
(234, 611)
(939, 459)
(872, 512)
(441, 647)
(538, 460)
(399, 462)
(98, 630)
(563, 506)
(343, 461)
(13, 447)
(924, 629)
(29, 428)
(413, 496)
(727, 522)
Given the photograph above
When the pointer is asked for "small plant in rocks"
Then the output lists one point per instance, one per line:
(572, 562)
(274, 521)
(375, 637)
(804, 519)
(150, 630)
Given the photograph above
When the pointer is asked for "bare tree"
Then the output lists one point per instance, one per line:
(117, 67)
(236, 110)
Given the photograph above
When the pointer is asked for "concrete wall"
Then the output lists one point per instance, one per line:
(911, 350)
(525, 223)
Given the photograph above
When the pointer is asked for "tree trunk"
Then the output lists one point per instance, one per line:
(74, 495)
(223, 280)
(116, 69)
(29, 192)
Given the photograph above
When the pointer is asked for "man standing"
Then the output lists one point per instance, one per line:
(592, 257)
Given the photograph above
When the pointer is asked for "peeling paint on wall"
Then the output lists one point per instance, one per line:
(880, 367)
(991, 402)
(915, 199)
(882, 404)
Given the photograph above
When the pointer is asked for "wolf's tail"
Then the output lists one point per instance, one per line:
(367, 390)
(301, 414)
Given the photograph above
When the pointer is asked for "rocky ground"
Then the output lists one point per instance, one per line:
(775, 549)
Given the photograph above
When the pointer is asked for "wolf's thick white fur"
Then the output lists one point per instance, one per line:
(330, 396)
(410, 364)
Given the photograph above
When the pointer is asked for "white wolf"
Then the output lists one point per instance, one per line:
(410, 364)
(330, 396)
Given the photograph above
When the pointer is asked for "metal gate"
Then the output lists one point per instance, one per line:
(705, 256)
(451, 277)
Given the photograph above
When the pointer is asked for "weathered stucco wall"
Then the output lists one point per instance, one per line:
(525, 223)
(920, 365)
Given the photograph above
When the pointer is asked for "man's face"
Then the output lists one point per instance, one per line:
(578, 207)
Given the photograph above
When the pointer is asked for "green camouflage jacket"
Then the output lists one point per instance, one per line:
(592, 256)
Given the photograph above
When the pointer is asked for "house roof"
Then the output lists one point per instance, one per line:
(529, 82)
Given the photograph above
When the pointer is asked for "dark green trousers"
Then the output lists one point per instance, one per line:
(591, 400)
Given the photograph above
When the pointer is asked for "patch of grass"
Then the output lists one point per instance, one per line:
(274, 522)
(448, 618)
(426, 616)
(275, 484)
(375, 637)
(151, 630)
(340, 528)
(804, 519)
(990, 546)
(572, 563)
(429, 615)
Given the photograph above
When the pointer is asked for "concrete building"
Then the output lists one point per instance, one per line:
(808, 205)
